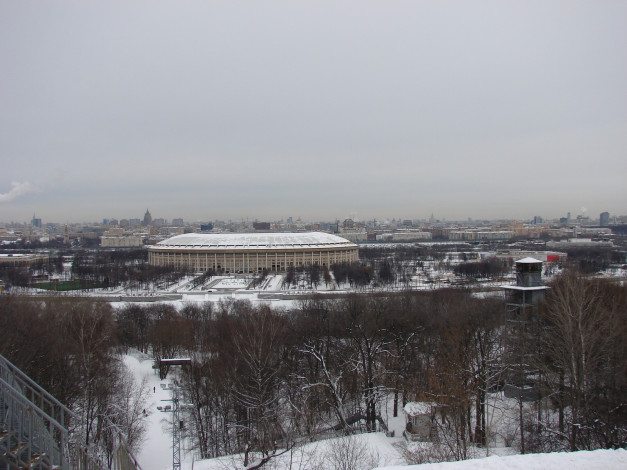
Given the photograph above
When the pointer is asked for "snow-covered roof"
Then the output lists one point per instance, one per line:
(528, 260)
(523, 288)
(253, 241)
(415, 408)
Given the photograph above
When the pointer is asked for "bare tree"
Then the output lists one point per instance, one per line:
(91, 329)
(364, 320)
(582, 355)
(351, 453)
(128, 408)
(330, 381)
(257, 341)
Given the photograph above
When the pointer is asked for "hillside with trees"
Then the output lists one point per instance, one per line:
(263, 380)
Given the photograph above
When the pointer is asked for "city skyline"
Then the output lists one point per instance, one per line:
(134, 220)
(323, 111)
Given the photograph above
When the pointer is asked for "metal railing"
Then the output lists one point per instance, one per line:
(32, 422)
(34, 430)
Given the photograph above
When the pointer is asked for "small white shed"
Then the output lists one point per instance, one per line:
(420, 420)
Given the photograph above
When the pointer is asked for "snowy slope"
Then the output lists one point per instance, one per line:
(371, 450)
(583, 460)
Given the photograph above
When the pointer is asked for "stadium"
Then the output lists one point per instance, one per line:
(251, 252)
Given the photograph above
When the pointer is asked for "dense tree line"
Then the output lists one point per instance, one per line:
(487, 268)
(101, 268)
(310, 276)
(356, 274)
(407, 251)
(592, 260)
(15, 276)
(116, 267)
(34, 244)
(20, 276)
(263, 379)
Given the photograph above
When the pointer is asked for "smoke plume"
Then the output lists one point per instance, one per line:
(17, 190)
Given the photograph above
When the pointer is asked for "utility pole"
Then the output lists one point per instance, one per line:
(175, 409)
(176, 427)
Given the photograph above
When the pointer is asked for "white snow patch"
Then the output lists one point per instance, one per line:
(583, 460)
(375, 447)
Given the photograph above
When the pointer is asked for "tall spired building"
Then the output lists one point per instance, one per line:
(147, 219)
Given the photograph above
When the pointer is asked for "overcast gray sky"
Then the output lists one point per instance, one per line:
(318, 109)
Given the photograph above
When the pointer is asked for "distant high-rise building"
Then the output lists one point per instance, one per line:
(36, 222)
(147, 219)
(604, 219)
(537, 220)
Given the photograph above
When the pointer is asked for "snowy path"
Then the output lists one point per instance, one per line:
(156, 453)
(275, 283)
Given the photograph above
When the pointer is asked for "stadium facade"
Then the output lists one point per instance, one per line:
(251, 252)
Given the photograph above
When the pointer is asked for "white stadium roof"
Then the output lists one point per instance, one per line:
(253, 241)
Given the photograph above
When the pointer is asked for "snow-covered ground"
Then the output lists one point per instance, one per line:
(231, 283)
(371, 450)
(156, 453)
(583, 460)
